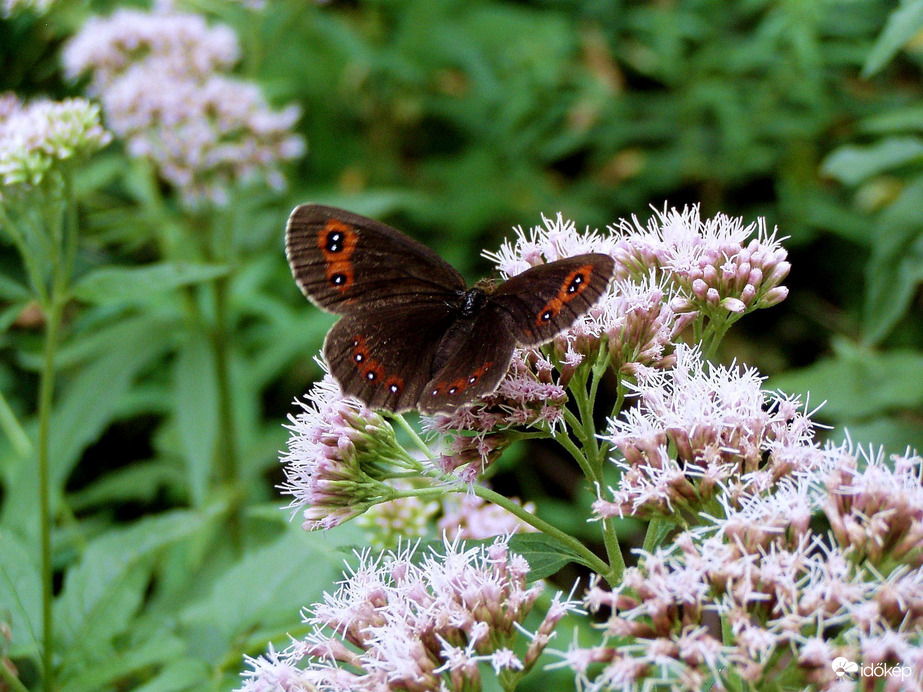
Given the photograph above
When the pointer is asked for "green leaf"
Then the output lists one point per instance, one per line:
(292, 573)
(163, 650)
(129, 284)
(903, 24)
(102, 593)
(178, 675)
(21, 593)
(895, 269)
(83, 410)
(858, 383)
(545, 555)
(852, 164)
(140, 482)
(195, 413)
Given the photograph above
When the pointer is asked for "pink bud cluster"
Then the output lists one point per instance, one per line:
(159, 77)
(700, 431)
(715, 264)
(339, 455)
(401, 623)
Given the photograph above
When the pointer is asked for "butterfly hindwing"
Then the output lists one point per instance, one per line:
(471, 361)
(385, 358)
(344, 262)
(545, 300)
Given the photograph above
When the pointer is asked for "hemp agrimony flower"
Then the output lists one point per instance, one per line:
(159, 78)
(739, 581)
(699, 431)
(397, 622)
(339, 456)
(36, 136)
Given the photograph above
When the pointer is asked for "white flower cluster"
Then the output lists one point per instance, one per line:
(159, 77)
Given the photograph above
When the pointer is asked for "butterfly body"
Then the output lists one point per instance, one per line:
(413, 335)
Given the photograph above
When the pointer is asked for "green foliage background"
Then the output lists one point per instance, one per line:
(453, 120)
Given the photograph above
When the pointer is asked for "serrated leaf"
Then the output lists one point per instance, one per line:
(102, 592)
(859, 383)
(292, 573)
(129, 284)
(852, 164)
(546, 555)
(903, 24)
(195, 411)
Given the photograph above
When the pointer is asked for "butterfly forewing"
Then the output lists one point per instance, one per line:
(545, 300)
(345, 262)
(385, 358)
(476, 357)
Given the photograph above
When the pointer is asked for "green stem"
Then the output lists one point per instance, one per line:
(587, 557)
(652, 537)
(46, 395)
(613, 551)
(564, 440)
(417, 440)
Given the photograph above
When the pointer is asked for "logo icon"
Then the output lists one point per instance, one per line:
(842, 666)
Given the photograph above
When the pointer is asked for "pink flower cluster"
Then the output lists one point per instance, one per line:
(701, 431)
(36, 136)
(401, 623)
(715, 264)
(792, 601)
(634, 315)
(339, 455)
(159, 77)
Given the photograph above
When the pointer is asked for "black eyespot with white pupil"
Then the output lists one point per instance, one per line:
(472, 379)
(546, 315)
(575, 284)
(453, 390)
(394, 388)
(358, 357)
(334, 241)
(370, 375)
(338, 279)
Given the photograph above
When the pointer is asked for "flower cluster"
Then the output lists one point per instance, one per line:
(339, 456)
(159, 77)
(399, 623)
(792, 601)
(634, 315)
(875, 510)
(36, 136)
(716, 264)
(700, 431)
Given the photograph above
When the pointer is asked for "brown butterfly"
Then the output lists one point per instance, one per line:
(413, 335)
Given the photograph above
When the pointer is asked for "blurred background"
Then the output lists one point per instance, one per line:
(454, 121)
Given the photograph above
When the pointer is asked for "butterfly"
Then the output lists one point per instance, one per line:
(412, 334)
